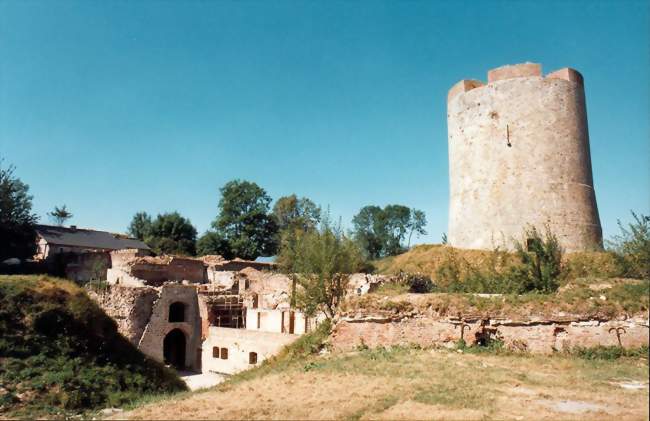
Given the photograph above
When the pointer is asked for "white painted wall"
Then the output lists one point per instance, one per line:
(240, 343)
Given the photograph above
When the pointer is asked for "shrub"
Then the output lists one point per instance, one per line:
(419, 284)
(538, 270)
(632, 247)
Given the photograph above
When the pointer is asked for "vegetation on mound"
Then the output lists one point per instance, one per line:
(60, 353)
(620, 298)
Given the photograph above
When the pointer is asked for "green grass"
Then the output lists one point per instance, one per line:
(61, 354)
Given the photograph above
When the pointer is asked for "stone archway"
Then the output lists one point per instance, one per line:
(174, 349)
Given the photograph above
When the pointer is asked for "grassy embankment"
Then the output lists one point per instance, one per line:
(589, 285)
(61, 354)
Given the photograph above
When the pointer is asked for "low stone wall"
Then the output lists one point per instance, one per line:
(533, 335)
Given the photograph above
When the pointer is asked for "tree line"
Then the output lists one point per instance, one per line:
(247, 226)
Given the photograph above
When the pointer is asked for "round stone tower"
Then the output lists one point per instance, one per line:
(519, 157)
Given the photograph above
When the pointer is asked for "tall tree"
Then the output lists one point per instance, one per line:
(382, 232)
(60, 215)
(416, 225)
(292, 213)
(244, 220)
(368, 230)
(140, 226)
(213, 243)
(396, 219)
(171, 233)
(16, 217)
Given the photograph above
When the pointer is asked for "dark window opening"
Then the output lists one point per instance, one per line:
(224, 353)
(177, 312)
(532, 243)
(252, 358)
(215, 352)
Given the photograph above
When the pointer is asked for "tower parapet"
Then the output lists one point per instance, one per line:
(519, 157)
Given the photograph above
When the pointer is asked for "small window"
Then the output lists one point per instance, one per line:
(215, 352)
(177, 312)
(532, 243)
(252, 358)
(224, 353)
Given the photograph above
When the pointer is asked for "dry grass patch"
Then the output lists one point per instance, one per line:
(407, 383)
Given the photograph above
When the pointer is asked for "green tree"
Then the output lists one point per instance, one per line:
(16, 217)
(416, 225)
(382, 232)
(140, 226)
(213, 243)
(171, 233)
(368, 230)
(292, 213)
(244, 220)
(60, 215)
(632, 247)
(396, 225)
(320, 263)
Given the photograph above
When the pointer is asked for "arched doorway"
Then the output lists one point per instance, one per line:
(174, 349)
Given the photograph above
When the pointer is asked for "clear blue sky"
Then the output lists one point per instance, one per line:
(114, 107)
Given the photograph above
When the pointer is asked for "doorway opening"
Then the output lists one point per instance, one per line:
(174, 349)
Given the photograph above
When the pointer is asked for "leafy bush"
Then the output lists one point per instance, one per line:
(419, 284)
(538, 270)
(320, 263)
(632, 247)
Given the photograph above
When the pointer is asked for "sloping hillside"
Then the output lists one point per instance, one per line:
(59, 352)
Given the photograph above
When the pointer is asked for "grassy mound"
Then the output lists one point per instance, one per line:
(60, 353)
(427, 259)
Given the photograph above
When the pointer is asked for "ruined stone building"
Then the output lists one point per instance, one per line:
(519, 158)
(193, 313)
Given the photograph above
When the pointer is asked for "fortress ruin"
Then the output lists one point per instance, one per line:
(519, 158)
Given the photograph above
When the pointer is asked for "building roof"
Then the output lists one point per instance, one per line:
(76, 237)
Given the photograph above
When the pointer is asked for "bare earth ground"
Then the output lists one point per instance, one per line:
(408, 383)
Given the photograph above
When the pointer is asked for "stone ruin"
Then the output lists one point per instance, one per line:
(208, 313)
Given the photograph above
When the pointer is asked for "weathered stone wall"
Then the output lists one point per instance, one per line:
(534, 335)
(87, 266)
(177, 269)
(159, 325)
(519, 156)
(131, 308)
